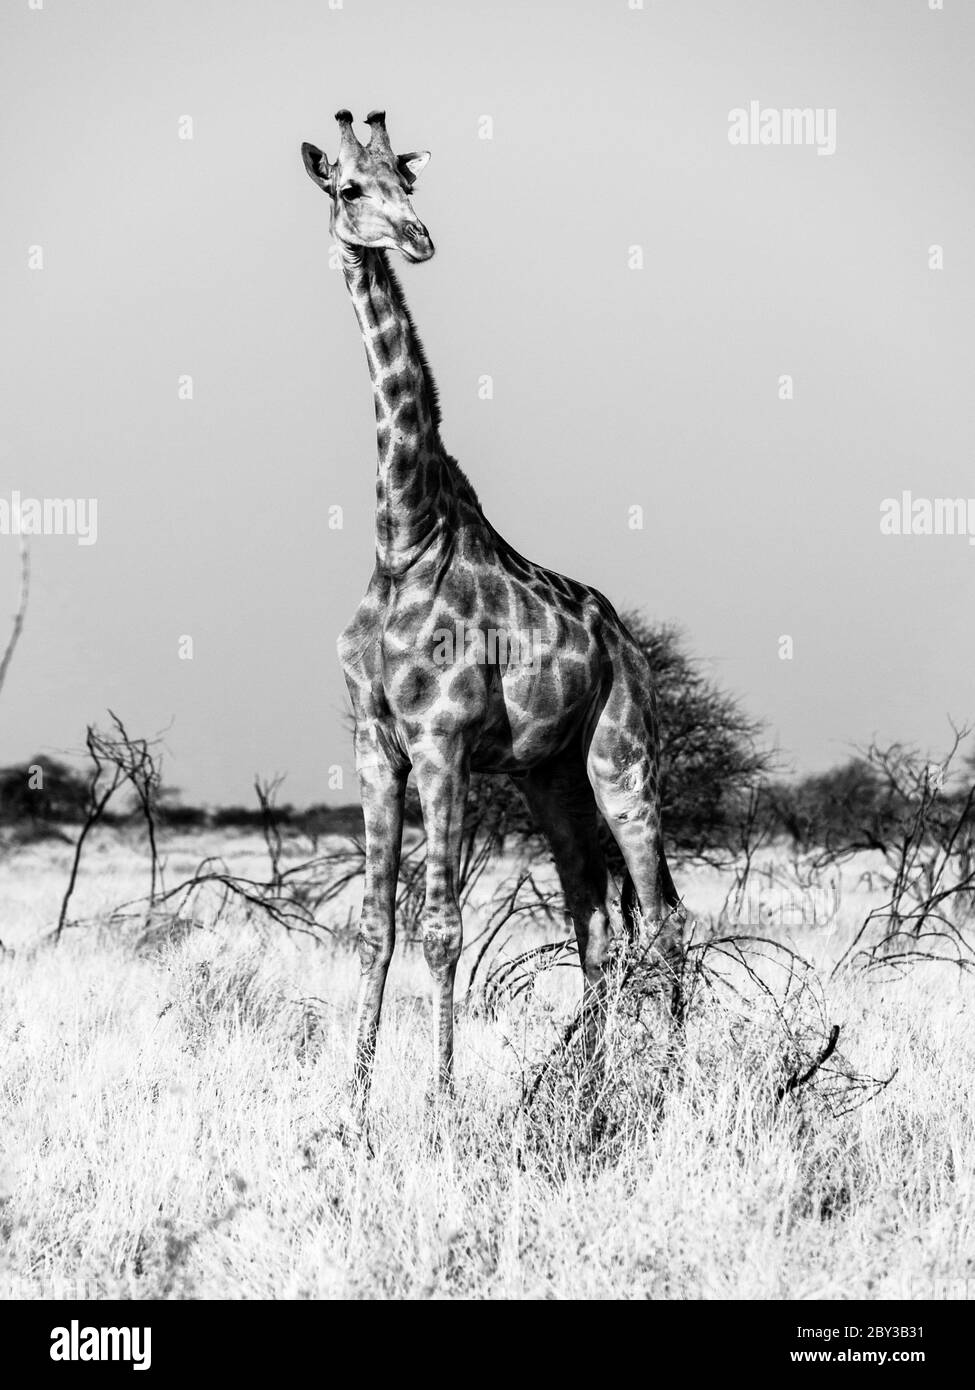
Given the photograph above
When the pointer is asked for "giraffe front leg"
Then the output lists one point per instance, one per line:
(383, 789)
(442, 780)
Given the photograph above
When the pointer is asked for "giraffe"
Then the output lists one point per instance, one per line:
(563, 704)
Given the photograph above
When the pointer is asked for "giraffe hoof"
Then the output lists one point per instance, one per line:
(352, 1131)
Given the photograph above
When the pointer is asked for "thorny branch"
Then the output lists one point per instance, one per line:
(20, 614)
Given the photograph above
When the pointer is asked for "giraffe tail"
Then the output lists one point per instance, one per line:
(629, 906)
(671, 895)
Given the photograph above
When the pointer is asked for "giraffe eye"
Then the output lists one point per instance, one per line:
(350, 192)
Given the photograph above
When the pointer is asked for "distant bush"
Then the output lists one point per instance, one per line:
(329, 820)
(41, 791)
(849, 805)
(176, 816)
(237, 818)
(861, 805)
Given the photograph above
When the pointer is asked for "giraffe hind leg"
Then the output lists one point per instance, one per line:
(562, 802)
(622, 765)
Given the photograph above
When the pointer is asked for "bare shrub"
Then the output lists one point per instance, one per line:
(290, 897)
(747, 998)
(928, 864)
(117, 761)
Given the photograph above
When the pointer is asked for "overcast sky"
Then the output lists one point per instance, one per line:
(613, 387)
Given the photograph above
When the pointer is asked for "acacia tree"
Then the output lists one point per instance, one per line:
(711, 758)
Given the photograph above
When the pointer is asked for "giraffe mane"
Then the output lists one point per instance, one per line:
(433, 392)
(429, 381)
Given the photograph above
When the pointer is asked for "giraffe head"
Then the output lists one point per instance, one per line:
(370, 189)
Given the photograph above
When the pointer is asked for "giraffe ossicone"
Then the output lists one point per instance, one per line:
(576, 724)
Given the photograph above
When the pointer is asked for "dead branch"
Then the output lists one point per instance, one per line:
(18, 623)
(99, 795)
(795, 1080)
(266, 791)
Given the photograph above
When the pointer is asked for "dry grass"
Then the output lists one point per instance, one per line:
(169, 1118)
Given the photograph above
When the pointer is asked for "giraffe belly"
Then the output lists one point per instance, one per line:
(531, 717)
(507, 719)
(521, 750)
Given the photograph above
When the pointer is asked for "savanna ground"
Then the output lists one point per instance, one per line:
(171, 1100)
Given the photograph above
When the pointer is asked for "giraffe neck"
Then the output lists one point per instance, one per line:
(410, 475)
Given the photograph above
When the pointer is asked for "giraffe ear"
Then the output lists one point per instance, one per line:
(317, 166)
(410, 165)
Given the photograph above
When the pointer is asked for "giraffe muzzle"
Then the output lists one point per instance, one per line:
(416, 244)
